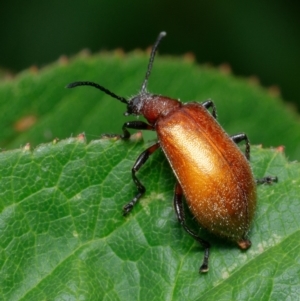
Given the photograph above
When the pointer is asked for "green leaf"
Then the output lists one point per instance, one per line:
(57, 112)
(62, 233)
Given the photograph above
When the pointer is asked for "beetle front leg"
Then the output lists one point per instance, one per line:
(240, 137)
(178, 205)
(137, 125)
(143, 157)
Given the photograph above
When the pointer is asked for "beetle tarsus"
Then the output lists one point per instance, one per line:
(267, 180)
(127, 208)
(204, 266)
(107, 136)
(244, 244)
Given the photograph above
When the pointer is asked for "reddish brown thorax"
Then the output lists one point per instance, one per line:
(152, 107)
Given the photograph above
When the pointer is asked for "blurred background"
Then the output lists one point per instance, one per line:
(260, 38)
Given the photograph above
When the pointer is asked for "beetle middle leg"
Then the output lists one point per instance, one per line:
(143, 157)
(136, 125)
(210, 104)
(240, 137)
(178, 205)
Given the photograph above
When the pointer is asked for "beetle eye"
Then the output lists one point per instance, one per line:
(130, 109)
(135, 101)
(134, 105)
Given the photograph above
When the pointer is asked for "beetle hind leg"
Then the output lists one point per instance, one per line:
(178, 205)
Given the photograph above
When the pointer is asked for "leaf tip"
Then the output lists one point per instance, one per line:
(136, 136)
(81, 137)
(63, 60)
(189, 57)
(274, 91)
(225, 68)
(27, 147)
(55, 140)
(280, 148)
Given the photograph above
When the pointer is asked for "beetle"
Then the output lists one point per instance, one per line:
(211, 171)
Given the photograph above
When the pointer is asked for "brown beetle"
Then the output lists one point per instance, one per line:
(212, 173)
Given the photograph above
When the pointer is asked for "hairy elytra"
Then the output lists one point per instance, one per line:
(212, 173)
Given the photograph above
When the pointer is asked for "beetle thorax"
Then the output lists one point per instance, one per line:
(151, 106)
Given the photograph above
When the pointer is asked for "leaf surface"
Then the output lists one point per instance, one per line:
(62, 233)
(35, 107)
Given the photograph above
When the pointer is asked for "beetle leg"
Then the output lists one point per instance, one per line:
(137, 165)
(178, 205)
(267, 180)
(137, 125)
(240, 137)
(209, 104)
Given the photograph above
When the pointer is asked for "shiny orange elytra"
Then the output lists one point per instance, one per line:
(212, 173)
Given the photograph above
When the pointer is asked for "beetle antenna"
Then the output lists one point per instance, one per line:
(106, 91)
(153, 52)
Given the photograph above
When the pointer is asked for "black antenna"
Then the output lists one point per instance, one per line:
(153, 51)
(76, 84)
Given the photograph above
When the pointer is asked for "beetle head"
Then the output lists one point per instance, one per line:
(135, 104)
